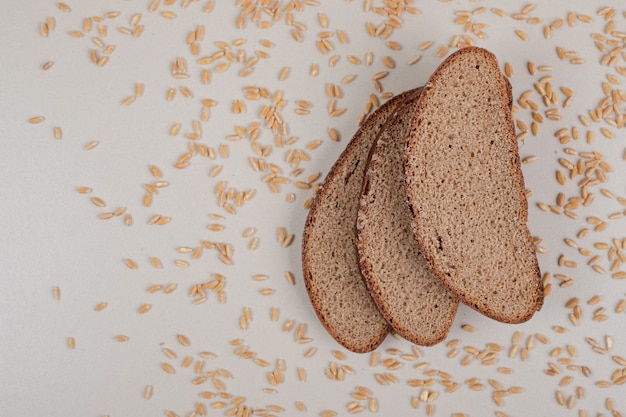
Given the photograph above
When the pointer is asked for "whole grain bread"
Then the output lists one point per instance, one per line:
(413, 301)
(465, 188)
(329, 259)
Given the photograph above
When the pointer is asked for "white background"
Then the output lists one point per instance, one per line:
(51, 236)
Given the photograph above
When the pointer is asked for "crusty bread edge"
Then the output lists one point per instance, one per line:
(369, 123)
(507, 97)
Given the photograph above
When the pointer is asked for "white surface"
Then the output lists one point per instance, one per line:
(51, 235)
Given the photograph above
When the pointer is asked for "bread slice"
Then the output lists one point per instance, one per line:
(465, 189)
(329, 259)
(413, 301)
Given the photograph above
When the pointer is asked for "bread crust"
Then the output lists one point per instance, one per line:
(310, 246)
(433, 308)
(506, 98)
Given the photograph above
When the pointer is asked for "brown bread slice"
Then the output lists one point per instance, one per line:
(465, 189)
(413, 301)
(329, 258)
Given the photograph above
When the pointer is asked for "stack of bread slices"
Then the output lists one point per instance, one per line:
(425, 208)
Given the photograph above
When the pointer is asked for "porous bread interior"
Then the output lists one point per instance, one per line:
(465, 187)
(330, 263)
(414, 302)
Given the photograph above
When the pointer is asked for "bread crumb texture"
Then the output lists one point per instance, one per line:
(330, 261)
(409, 296)
(466, 190)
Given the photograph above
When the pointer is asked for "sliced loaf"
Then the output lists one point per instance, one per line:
(413, 301)
(329, 258)
(465, 189)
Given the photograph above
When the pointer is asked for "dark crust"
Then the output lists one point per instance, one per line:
(506, 96)
(370, 123)
(366, 270)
